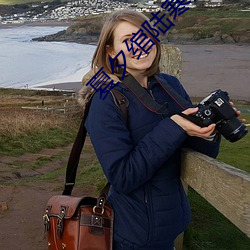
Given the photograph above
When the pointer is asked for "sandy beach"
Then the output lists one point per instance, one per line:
(206, 68)
(209, 67)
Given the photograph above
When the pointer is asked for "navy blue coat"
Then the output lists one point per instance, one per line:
(142, 163)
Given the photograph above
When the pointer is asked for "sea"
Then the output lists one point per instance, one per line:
(27, 64)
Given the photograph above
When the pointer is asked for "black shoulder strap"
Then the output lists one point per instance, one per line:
(75, 157)
(147, 101)
(143, 96)
(181, 101)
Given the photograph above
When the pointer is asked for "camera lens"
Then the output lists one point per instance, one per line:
(238, 133)
(233, 130)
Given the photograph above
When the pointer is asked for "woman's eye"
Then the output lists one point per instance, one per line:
(127, 39)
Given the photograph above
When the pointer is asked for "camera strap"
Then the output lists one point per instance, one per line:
(144, 97)
(180, 100)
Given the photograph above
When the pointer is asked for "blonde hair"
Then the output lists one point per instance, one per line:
(101, 57)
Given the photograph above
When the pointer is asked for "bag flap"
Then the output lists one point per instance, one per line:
(68, 203)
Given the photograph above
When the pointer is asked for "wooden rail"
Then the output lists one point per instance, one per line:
(65, 109)
(223, 186)
(61, 109)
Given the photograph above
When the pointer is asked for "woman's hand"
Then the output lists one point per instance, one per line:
(238, 113)
(190, 128)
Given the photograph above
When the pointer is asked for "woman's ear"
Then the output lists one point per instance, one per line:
(110, 51)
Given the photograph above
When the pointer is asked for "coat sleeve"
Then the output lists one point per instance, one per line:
(125, 165)
(209, 148)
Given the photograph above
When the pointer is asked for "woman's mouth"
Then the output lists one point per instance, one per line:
(143, 55)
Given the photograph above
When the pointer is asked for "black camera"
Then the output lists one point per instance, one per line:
(216, 109)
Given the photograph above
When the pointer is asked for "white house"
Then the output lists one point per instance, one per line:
(214, 3)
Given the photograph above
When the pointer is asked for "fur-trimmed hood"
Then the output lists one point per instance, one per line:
(86, 92)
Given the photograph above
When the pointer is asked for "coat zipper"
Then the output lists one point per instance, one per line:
(151, 93)
(148, 204)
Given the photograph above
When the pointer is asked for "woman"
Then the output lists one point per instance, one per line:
(141, 156)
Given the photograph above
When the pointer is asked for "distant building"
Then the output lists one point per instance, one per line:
(214, 3)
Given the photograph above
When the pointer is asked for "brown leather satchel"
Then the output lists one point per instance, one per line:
(82, 223)
(79, 223)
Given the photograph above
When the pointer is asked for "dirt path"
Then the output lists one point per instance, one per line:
(21, 225)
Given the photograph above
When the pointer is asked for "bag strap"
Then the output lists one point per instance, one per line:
(72, 165)
(121, 102)
(180, 101)
(75, 154)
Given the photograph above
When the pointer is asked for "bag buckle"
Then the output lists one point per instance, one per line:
(59, 224)
(96, 221)
(100, 205)
(46, 221)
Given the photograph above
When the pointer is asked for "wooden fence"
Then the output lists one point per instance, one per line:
(66, 109)
(52, 109)
(223, 186)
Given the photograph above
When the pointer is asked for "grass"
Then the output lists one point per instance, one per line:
(31, 133)
(210, 230)
(23, 131)
(51, 176)
(217, 12)
(237, 154)
(207, 26)
(39, 162)
(91, 172)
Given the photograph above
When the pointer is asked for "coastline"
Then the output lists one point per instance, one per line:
(38, 23)
(67, 86)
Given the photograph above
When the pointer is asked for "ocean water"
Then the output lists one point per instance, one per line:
(27, 64)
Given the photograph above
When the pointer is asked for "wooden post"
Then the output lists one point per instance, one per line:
(179, 242)
(170, 63)
(171, 60)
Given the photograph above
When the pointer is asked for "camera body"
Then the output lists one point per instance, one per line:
(216, 109)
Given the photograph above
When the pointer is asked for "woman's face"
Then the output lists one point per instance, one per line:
(123, 32)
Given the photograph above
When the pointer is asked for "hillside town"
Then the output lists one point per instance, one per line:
(44, 11)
